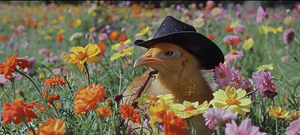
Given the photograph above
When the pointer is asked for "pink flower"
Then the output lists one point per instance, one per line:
(9, 79)
(222, 74)
(264, 83)
(288, 35)
(286, 58)
(294, 128)
(260, 14)
(244, 129)
(233, 55)
(218, 117)
(238, 29)
(102, 36)
(230, 38)
(56, 71)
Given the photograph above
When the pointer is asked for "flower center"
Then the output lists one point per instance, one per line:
(233, 51)
(81, 56)
(189, 108)
(18, 101)
(231, 101)
(153, 99)
(172, 122)
(222, 75)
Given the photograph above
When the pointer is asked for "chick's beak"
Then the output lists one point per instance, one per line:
(147, 59)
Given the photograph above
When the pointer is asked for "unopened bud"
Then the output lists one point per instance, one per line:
(41, 75)
(288, 11)
(109, 102)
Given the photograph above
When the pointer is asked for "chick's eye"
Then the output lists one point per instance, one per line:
(168, 53)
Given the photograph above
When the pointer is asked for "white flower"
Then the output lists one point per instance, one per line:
(76, 35)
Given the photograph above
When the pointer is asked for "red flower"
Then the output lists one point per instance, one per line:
(9, 66)
(16, 110)
(128, 111)
(172, 124)
(59, 37)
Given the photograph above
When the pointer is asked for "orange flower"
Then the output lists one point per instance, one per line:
(54, 81)
(114, 35)
(41, 108)
(210, 36)
(208, 7)
(234, 42)
(50, 127)
(103, 111)
(128, 111)
(9, 66)
(123, 38)
(101, 45)
(59, 37)
(52, 98)
(172, 124)
(87, 98)
(16, 110)
(228, 28)
(2, 38)
(70, 26)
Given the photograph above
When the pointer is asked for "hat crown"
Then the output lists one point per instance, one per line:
(171, 25)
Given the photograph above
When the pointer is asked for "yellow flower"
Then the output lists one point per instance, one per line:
(266, 67)
(61, 18)
(122, 53)
(41, 75)
(294, 115)
(263, 29)
(168, 98)
(153, 109)
(77, 22)
(94, 13)
(60, 31)
(234, 24)
(287, 19)
(118, 45)
(91, 30)
(278, 113)
(189, 109)
(248, 44)
(48, 37)
(82, 55)
(232, 99)
(143, 32)
(275, 30)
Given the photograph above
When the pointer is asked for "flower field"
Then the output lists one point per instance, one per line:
(64, 69)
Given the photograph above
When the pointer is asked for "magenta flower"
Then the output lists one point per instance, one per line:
(294, 128)
(260, 14)
(102, 36)
(288, 36)
(230, 38)
(222, 74)
(244, 129)
(218, 117)
(264, 83)
(233, 55)
(238, 29)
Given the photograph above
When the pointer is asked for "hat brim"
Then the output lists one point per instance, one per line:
(207, 52)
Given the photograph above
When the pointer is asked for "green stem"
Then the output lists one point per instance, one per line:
(5, 93)
(87, 71)
(28, 126)
(194, 132)
(55, 109)
(31, 82)
(277, 127)
(13, 89)
(218, 130)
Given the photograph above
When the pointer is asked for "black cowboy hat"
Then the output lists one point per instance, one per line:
(174, 31)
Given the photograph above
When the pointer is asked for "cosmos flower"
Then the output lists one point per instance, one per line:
(103, 111)
(16, 110)
(56, 80)
(263, 29)
(264, 83)
(245, 128)
(260, 14)
(278, 113)
(288, 35)
(172, 124)
(293, 128)
(50, 127)
(218, 116)
(9, 66)
(233, 55)
(82, 55)
(143, 32)
(123, 51)
(128, 111)
(222, 74)
(232, 99)
(87, 98)
(188, 109)
(248, 44)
